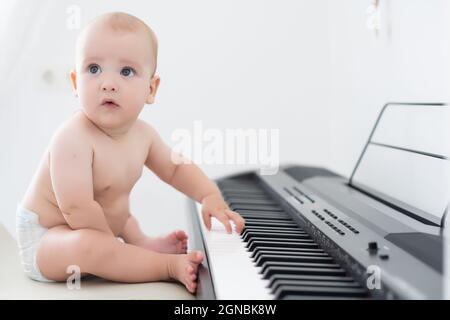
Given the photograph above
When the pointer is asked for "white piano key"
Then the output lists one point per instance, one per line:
(234, 274)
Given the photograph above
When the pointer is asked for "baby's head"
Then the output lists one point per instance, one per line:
(116, 58)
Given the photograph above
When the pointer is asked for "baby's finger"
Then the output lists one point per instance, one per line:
(207, 219)
(238, 220)
(222, 217)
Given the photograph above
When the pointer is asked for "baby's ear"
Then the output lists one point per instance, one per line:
(154, 84)
(73, 80)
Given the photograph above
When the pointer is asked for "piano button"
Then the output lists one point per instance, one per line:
(320, 291)
(272, 270)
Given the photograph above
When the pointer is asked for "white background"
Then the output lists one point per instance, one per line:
(309, 68)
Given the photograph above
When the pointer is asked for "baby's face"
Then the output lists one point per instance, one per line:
(113, 77)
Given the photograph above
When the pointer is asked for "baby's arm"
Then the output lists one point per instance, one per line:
(189, 179)
(71, 174)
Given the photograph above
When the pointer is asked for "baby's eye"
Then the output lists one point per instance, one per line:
(94, 69)
(127, 72)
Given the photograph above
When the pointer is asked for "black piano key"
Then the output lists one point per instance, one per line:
(294, 244)
(309, 283)
(240, 184)
(276, 228)
(266, 217)
(290, 258)
(280, 239)
(260, 253)
(262, 212)
(256, 241)
(252, 201)
(274, 235)
(275, 270)
(252, 231)
(243, 192)
(275, 215)
(297, 277)
(256, 220)
(229, 196)
(252, 223)
(282, 228)
(246, 198)
(274, 208)
(282, 291)
(268, 264)
(279, 249)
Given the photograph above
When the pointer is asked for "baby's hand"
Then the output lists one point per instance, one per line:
(215, 206)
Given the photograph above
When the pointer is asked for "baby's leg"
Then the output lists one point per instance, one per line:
(97, 253)
(174, 242)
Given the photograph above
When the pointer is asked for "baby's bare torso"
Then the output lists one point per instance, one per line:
(116, 167)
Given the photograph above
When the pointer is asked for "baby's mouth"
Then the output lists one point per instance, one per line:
(110, 103)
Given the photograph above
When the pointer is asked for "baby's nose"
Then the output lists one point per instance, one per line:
(109, 85)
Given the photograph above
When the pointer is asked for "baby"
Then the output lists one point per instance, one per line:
(76, 210)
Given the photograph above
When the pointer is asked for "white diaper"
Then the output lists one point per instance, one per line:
(29, 234)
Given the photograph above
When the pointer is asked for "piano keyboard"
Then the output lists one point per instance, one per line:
(273, 258)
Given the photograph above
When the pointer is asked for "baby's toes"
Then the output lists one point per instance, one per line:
(181, 235)
(190, 269)
(189, 282)
(192, 286)
(195, 257)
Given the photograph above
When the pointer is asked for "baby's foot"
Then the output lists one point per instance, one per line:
(174, 242)
(184, 268)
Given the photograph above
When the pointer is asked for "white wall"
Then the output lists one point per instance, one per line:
(309, 68)
(405, 62)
